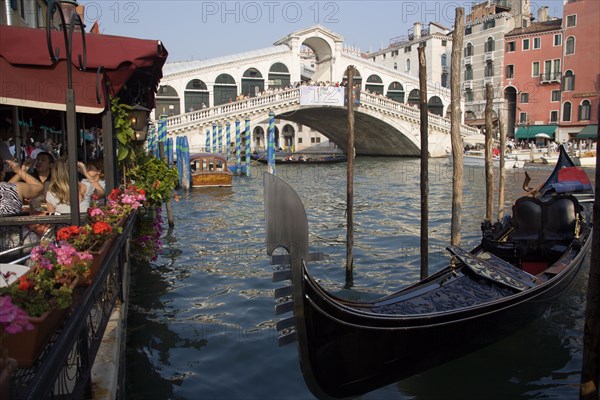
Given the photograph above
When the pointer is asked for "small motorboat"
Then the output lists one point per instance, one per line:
(208, 169)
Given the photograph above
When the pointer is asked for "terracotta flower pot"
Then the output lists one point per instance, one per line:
(26, 346)
(99, 253)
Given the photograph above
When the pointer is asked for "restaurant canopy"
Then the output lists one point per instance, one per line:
(28, 78)
(529, 132)
(588, 132)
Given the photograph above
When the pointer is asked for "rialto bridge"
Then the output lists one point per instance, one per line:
(199, 94)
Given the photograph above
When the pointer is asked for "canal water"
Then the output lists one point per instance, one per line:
(201, 322)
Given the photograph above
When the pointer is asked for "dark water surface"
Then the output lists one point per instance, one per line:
(201, 321)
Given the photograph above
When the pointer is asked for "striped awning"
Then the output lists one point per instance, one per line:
(529, 132)
(589, 132)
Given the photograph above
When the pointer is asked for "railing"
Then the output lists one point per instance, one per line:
(63, 370)
(291, 97)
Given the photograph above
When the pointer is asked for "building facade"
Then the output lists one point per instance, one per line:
(581, 66)
(402, 53)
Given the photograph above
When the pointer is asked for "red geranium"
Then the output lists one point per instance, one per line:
(100, 228)
(23, 283)
(67, 232)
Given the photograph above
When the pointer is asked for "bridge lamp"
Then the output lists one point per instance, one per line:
(139, 117)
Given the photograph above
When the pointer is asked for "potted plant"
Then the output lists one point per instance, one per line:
(44, 293)
(155, 177)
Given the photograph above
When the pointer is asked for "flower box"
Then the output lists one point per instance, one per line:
(99, 253)
(26, 346)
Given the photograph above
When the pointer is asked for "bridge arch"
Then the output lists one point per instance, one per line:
(435, 106)
(323, 57)
(289, 135)
(196, 95)
(279, 75)
(396, 92)
(414, 98)
(374, 84)
(167, 101)
(253, 82)
(225, 89)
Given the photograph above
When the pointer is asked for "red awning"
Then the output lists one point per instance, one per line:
(28, 78)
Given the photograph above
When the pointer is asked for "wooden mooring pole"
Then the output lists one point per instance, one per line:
(455, 121)
(489, 166)
(350, 179)
(502, 172)
(589, 388)
(424, 114)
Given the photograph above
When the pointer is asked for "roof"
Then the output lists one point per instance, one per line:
(588, 132)
(529, 132)
(537, 27)
(29, 78)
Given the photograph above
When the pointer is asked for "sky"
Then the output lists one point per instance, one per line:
(200, 30)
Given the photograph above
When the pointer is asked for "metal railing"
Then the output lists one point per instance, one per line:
(63, 370)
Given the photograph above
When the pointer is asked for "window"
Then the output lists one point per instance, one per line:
(556, 70)
(585, 110)
(13, 4)
(489, 45)
(555, 95)
(557, 39)
(524, 97)
(444, 60)
(395, 65)
(394, 53)
(510, 72)
(567, 112)
(468, 95)
(535, 68)
(407, 65)
(489, 24)
(523, 117)
(489, 68)
(468, 30)
(469, 50)
(570, 48)
(468, 73)
(407, 49)
(569, 81)
(547, 70)
(525, 44)
(383, 56)
(444, 43)
(444, 80)
(553, 117)
(511, 46)
(571, 20)
(537, 43)
(299, 140)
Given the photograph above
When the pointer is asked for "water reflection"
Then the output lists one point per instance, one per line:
(201, 319)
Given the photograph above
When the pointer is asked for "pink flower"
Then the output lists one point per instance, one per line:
(12, 317)
(95, 212)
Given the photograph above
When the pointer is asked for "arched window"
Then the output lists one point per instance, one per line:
(468, 73)
(489, 45)
(469, 50)
(570, 46)
(585, 110)
(489, 68)
(407, 65)
(569, 82)
(567, 112)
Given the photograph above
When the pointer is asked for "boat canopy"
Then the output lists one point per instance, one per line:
(529, 132)
(589, 132)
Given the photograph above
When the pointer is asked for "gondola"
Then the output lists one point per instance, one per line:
(518, 270)
(299, 159)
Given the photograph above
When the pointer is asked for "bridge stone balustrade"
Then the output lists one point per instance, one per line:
(384, 126)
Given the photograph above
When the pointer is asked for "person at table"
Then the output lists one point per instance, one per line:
(58, 195)
(43, 172)
(13, 193)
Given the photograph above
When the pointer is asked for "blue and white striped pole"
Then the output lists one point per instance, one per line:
(162, 133)
(214, 137)
(228, 140)
(220, 139)
(238, 148)
(247, 146)
(271, 144)
(207, 143)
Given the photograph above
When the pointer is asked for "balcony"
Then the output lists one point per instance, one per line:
(468, 60)
(63, 370)
(550, 77)
(488, 56)
(467, 85)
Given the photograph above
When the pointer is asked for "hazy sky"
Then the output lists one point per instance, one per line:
(198, 30)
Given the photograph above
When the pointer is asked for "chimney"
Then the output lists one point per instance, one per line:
(543, 14)
(417, 30)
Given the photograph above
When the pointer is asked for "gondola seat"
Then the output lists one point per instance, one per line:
(527, 222)
(560, 222)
